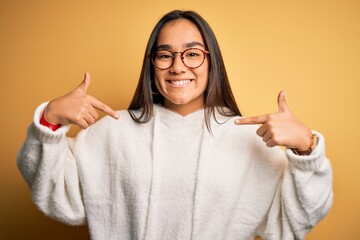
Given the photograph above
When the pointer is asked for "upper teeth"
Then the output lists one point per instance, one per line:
(181, 82)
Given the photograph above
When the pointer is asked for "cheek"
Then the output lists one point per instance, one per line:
(159, 83)
(159, 75)
(204, 77)
(157, 78)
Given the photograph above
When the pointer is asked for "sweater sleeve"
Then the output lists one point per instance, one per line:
(49, 168)
(303, 197)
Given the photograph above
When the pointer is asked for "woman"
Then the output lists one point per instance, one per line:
(180, 163)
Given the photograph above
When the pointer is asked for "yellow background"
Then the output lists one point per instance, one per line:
(309, 48)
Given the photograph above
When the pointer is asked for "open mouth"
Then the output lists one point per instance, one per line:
(179, 82)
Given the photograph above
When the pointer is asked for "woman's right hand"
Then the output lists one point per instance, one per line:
(76, 107)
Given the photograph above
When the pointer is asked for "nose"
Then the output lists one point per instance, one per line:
(178, 65)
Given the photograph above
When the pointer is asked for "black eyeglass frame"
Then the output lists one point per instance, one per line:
(152, 55)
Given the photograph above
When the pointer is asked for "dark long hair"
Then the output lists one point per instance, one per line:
(217, 94)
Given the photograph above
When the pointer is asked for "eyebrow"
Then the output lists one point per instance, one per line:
(194, 44)
(187, 45)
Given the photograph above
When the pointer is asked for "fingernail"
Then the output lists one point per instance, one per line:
(237, 121)
(117, 116)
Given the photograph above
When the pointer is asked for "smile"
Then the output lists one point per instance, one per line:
(179, 82)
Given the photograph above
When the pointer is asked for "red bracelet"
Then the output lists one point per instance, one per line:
(49, 125)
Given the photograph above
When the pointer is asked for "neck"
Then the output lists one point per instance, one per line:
(183, 109)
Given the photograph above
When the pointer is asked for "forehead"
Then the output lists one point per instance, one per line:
(178, 33)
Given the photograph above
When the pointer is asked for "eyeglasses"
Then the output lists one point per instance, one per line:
(191, 58)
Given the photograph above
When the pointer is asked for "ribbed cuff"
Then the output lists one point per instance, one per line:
(44, 133)
(310, 162)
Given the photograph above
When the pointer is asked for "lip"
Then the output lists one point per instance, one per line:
(179, 83)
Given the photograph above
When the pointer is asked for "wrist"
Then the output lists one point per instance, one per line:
(313, 143)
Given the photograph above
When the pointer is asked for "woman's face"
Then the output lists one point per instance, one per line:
(183, 88)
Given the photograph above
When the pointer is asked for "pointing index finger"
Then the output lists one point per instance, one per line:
(103, 107)
(251, 120)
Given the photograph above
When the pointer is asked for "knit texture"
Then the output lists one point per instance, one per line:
(172, 179)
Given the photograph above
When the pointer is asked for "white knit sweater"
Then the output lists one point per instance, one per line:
(172, 179)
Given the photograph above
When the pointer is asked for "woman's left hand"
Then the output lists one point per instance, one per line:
(281, 128)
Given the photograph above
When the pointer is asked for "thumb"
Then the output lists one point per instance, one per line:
(282, 105)
(84, 85)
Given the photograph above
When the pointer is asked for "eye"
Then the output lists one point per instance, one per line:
(163, 55)
(193, 53)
